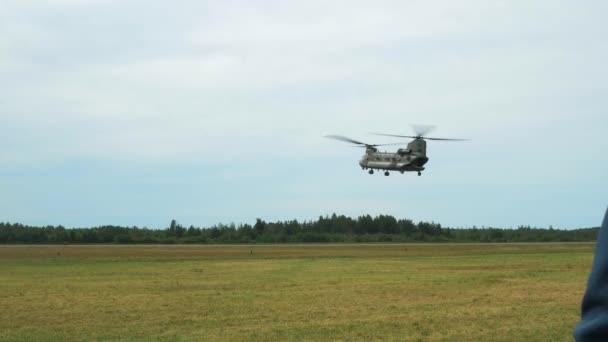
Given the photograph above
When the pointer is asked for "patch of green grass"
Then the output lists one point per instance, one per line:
(493, 292)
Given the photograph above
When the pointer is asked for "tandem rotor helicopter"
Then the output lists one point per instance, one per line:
(412, 158)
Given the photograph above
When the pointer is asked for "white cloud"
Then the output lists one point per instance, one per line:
(250, 88)
(163, 84)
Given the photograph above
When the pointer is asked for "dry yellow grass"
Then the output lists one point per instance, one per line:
(497, 292)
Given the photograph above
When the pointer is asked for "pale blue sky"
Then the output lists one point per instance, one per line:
(132, 113)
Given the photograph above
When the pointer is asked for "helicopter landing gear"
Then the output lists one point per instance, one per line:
(419, 173)
(371, 172)
(386, 173)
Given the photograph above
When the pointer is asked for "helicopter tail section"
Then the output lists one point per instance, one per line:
(417, 146)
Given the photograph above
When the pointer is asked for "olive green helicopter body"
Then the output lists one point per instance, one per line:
(412, 158)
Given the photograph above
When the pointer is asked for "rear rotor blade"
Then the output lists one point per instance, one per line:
(420, 137)
(398, 136)
(422, 130)
(445, 139)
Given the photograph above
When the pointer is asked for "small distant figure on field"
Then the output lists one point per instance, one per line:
(594, 314)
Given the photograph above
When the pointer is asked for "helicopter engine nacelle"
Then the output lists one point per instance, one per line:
(404, 151)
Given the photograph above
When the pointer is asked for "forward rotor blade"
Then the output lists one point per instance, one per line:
(361, 144)
(391, 144)
(345, 139)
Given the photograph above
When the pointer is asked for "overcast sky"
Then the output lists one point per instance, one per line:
(138, 112)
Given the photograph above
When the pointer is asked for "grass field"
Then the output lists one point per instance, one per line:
(453, 292)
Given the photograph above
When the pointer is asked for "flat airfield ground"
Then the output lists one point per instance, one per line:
(392, 292)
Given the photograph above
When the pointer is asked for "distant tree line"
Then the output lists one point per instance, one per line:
(335, 228)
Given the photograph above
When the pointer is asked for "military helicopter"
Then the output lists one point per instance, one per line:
(412, 158)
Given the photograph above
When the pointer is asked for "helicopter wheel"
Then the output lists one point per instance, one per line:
(419, 173)
(386, 173)
(371, 172)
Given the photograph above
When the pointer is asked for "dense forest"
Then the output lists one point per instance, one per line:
(383, 228)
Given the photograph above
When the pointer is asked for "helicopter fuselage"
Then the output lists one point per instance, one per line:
(393, 161)
(412, 158)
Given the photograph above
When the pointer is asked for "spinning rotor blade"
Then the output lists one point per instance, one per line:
(345, 139)
(422, 130)
(445, 139)
(361, 144)
(398, 136)
(419, 137)
(392, 144)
